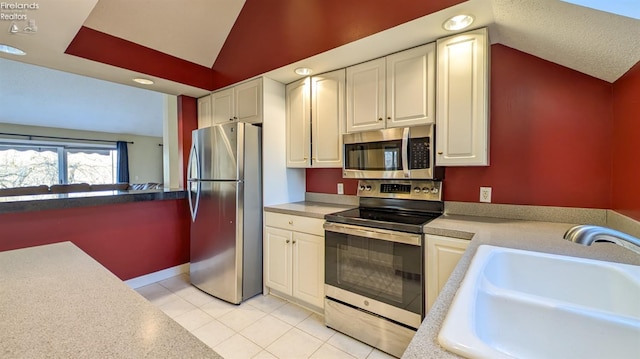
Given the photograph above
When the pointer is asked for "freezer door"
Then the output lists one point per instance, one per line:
(216, 241)
(217, 149)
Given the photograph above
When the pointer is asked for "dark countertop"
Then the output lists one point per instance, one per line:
(41, 202)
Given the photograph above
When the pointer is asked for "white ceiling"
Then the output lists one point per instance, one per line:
(599, 44)
(36, 96)
(192, 30)
(596, 43)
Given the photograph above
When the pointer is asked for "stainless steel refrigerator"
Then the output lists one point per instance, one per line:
(225, 198)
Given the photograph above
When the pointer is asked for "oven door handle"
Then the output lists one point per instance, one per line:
(375, 233)
(405, 152)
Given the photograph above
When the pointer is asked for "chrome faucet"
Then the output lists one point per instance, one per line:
(587, 234)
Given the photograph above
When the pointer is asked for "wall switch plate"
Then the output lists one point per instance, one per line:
(340, 188)
(485, 194)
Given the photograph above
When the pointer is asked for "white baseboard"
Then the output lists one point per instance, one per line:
(157, 276)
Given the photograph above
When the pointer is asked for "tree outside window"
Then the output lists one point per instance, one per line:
(29, 165)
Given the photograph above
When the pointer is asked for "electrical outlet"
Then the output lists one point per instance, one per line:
(485, 194)
(340, 188)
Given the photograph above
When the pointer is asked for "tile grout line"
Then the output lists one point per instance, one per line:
(254, 306)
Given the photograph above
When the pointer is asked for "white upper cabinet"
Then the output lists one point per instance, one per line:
(462, 124)
(327, 118)
(298, 123)
(222, 105)
(204, 112)
(240, 103)
(366, 96)
(411, 80)
(248, 101)
(395, 91)
(315, 116)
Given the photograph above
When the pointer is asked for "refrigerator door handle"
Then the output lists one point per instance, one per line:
(193, 208)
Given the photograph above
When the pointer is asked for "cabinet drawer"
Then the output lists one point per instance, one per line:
(295, 223)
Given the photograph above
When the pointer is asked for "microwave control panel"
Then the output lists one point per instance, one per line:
(419, 153)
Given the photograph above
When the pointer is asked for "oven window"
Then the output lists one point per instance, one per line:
(386, 271)
(371, 267)
(374, 156)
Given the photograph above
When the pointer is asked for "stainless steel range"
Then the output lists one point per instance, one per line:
(374, 262)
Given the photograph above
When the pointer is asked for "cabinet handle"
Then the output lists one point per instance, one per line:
(235, 118)
(290, 222)
(230, 119)
(287, 241)
(294, 241)
(440, 152)
(380, 119)
(388, 118)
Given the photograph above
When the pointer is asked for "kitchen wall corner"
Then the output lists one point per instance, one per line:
(531, 213)
(348, 200)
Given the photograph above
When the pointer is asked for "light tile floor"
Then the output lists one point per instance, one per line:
(261, 327)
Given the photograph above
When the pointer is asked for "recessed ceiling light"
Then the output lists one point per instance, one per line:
(11, 50)
(458, 22)
(303, 71)
(143, 81)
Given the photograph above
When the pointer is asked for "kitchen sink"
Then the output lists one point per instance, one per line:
(521, 304)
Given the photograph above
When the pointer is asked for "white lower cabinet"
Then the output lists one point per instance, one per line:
(443, 254)
(294, 257)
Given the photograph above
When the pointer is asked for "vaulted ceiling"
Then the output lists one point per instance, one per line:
(192, 47)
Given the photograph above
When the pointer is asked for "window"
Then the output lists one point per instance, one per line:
(31, 165)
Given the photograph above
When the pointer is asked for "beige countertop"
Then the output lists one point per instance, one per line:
(308, 208)
(528, 235)
(57, 302)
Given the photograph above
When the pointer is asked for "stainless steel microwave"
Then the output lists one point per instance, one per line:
(392, 153)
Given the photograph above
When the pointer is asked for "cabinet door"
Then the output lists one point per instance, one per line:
(443, 254)
(298, 123)
(463, 100)
(222, 105)
(327, 118)
(204, 112)
(366, 96)
(277, 259)
(411, 87)
(308, 268)
(248, 101)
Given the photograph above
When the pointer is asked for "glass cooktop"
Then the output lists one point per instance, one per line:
(395, 220)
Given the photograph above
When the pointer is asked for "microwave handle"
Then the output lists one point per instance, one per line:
(405, 152)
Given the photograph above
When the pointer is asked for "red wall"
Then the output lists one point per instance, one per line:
(325, 180)
(98, 46)
(277, 32)
(625, 195)
(281, 32)
(187, 122)
(129, 239)
(550, 138)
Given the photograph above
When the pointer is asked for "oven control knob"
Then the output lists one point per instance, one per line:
(362, 188)
(366, 303)
(368, 188)
(416, 189)
(425, 190)
(435, 190)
